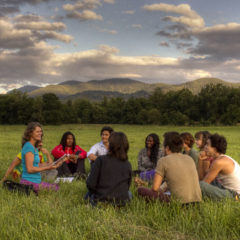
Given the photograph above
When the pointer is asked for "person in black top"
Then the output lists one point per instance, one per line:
(110, 177)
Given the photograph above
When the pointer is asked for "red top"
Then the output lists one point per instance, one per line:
(58, 152)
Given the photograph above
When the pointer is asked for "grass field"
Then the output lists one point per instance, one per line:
(64, 214)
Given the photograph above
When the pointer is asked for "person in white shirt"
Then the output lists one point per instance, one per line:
(100, 148)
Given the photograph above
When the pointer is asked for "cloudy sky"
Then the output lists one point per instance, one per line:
(173, 41)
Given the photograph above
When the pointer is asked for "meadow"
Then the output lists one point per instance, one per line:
(65, 215)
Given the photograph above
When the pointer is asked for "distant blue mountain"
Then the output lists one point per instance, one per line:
(70, 82)
(26, 89)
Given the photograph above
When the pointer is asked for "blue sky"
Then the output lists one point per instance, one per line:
(49, 41)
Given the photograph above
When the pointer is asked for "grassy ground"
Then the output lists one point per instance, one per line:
(64, 214)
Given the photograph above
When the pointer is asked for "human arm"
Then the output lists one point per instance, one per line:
(93, 152)
(214, 170)
(29, 159)
(92, 157)
(48, 155)
(140, 161)
(58, 151)
(157, 181)
(203, 165)
(159, 175)
(14, 163)
(80, 153)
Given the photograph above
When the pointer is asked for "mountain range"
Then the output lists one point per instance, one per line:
(116, 87)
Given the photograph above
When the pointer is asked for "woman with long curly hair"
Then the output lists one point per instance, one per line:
(149, 156)
(31, 166)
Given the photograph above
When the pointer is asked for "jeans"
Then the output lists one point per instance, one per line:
(215, 190)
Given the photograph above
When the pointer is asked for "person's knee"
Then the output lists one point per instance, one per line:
(203, 185)
(141, 191)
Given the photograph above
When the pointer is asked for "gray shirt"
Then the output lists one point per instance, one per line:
(144, 162)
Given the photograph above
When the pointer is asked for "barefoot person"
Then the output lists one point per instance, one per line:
(31, 161)
(223, 177)
(179, 172)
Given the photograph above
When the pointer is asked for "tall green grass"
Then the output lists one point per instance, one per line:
(65, 215)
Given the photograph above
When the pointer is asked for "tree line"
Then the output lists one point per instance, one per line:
(213, 105)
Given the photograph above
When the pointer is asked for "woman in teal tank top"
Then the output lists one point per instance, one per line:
(30, 158)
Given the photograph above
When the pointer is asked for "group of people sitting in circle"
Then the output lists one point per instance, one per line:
(174, 171)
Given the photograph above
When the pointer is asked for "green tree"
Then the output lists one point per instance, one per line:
(52, 109)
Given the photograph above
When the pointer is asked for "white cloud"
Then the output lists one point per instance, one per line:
(25, 34)
(27, 18)
(195, 74)
(54, 35)
(190, 35)
(130, 75)
(13, 38)
(83, 10)
(186, 21)
(41, 65)
(84, 15)
(218, 41)
(109, 1)
(41, 25)
(108, 31)
(189, 17)
(82, 5)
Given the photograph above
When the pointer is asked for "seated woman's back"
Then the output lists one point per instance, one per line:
(110, 177)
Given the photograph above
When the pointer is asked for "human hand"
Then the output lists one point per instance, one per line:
(92, 157)
(44, 151)
(139, 182)
(202, 156)
(73, 158)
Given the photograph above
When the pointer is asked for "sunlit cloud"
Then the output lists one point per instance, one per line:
(83, 10)
(109, 1)
(189, 17)
(107, 31)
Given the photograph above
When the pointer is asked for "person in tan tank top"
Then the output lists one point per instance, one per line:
(223, 177)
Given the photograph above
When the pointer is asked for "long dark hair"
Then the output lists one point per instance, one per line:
(64, 140)
(29, 130)
(155, 148)
(118, 146)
